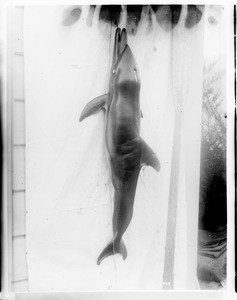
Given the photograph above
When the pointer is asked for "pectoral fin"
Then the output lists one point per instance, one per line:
(149, 157)
(93, 106)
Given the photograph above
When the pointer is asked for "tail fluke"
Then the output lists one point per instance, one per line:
(111, 249)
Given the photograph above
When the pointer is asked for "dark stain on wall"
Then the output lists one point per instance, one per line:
(110, 14)
(155, 7)
(175, 14)
(90, 15)
(167, 16)
(133, 18)
(193, 17)
(212, 20)
(71, 16)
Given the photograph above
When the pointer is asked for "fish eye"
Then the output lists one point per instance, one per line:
(135, 69)
(114, 71)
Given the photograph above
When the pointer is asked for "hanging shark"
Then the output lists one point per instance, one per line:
(127, 151)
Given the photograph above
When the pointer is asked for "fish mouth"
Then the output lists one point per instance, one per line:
(120, 43)
(122, 55)
(124, 67)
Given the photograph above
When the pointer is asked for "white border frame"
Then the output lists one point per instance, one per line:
(7, 201)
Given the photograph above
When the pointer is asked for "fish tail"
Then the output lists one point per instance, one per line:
(111, 249)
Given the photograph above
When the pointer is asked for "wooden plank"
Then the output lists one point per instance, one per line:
(6, 113)
(18, 76)
(19, 191)
(14, 261)
(18, 170)
(19, 212)
(19, 33)
(179, 76)
(20, 286)
(19, 100)
(168, 275)
(20, 271)
(18, 122)
(151, 295)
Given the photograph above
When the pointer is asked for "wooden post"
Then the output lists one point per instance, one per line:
(7, 167)
(178, 63)
(187, 95)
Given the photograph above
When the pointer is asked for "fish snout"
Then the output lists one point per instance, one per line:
(127, 67)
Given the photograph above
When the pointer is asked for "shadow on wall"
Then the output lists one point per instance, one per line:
(166, 15)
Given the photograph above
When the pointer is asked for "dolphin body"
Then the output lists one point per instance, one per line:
(127, 151)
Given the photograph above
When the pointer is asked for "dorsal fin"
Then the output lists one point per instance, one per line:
(148, 156)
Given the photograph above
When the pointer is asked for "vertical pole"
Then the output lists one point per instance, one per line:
(179, 60)
(187, 66)
(235, 146)
(168, 275)
(192, 124)
(7, 143)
